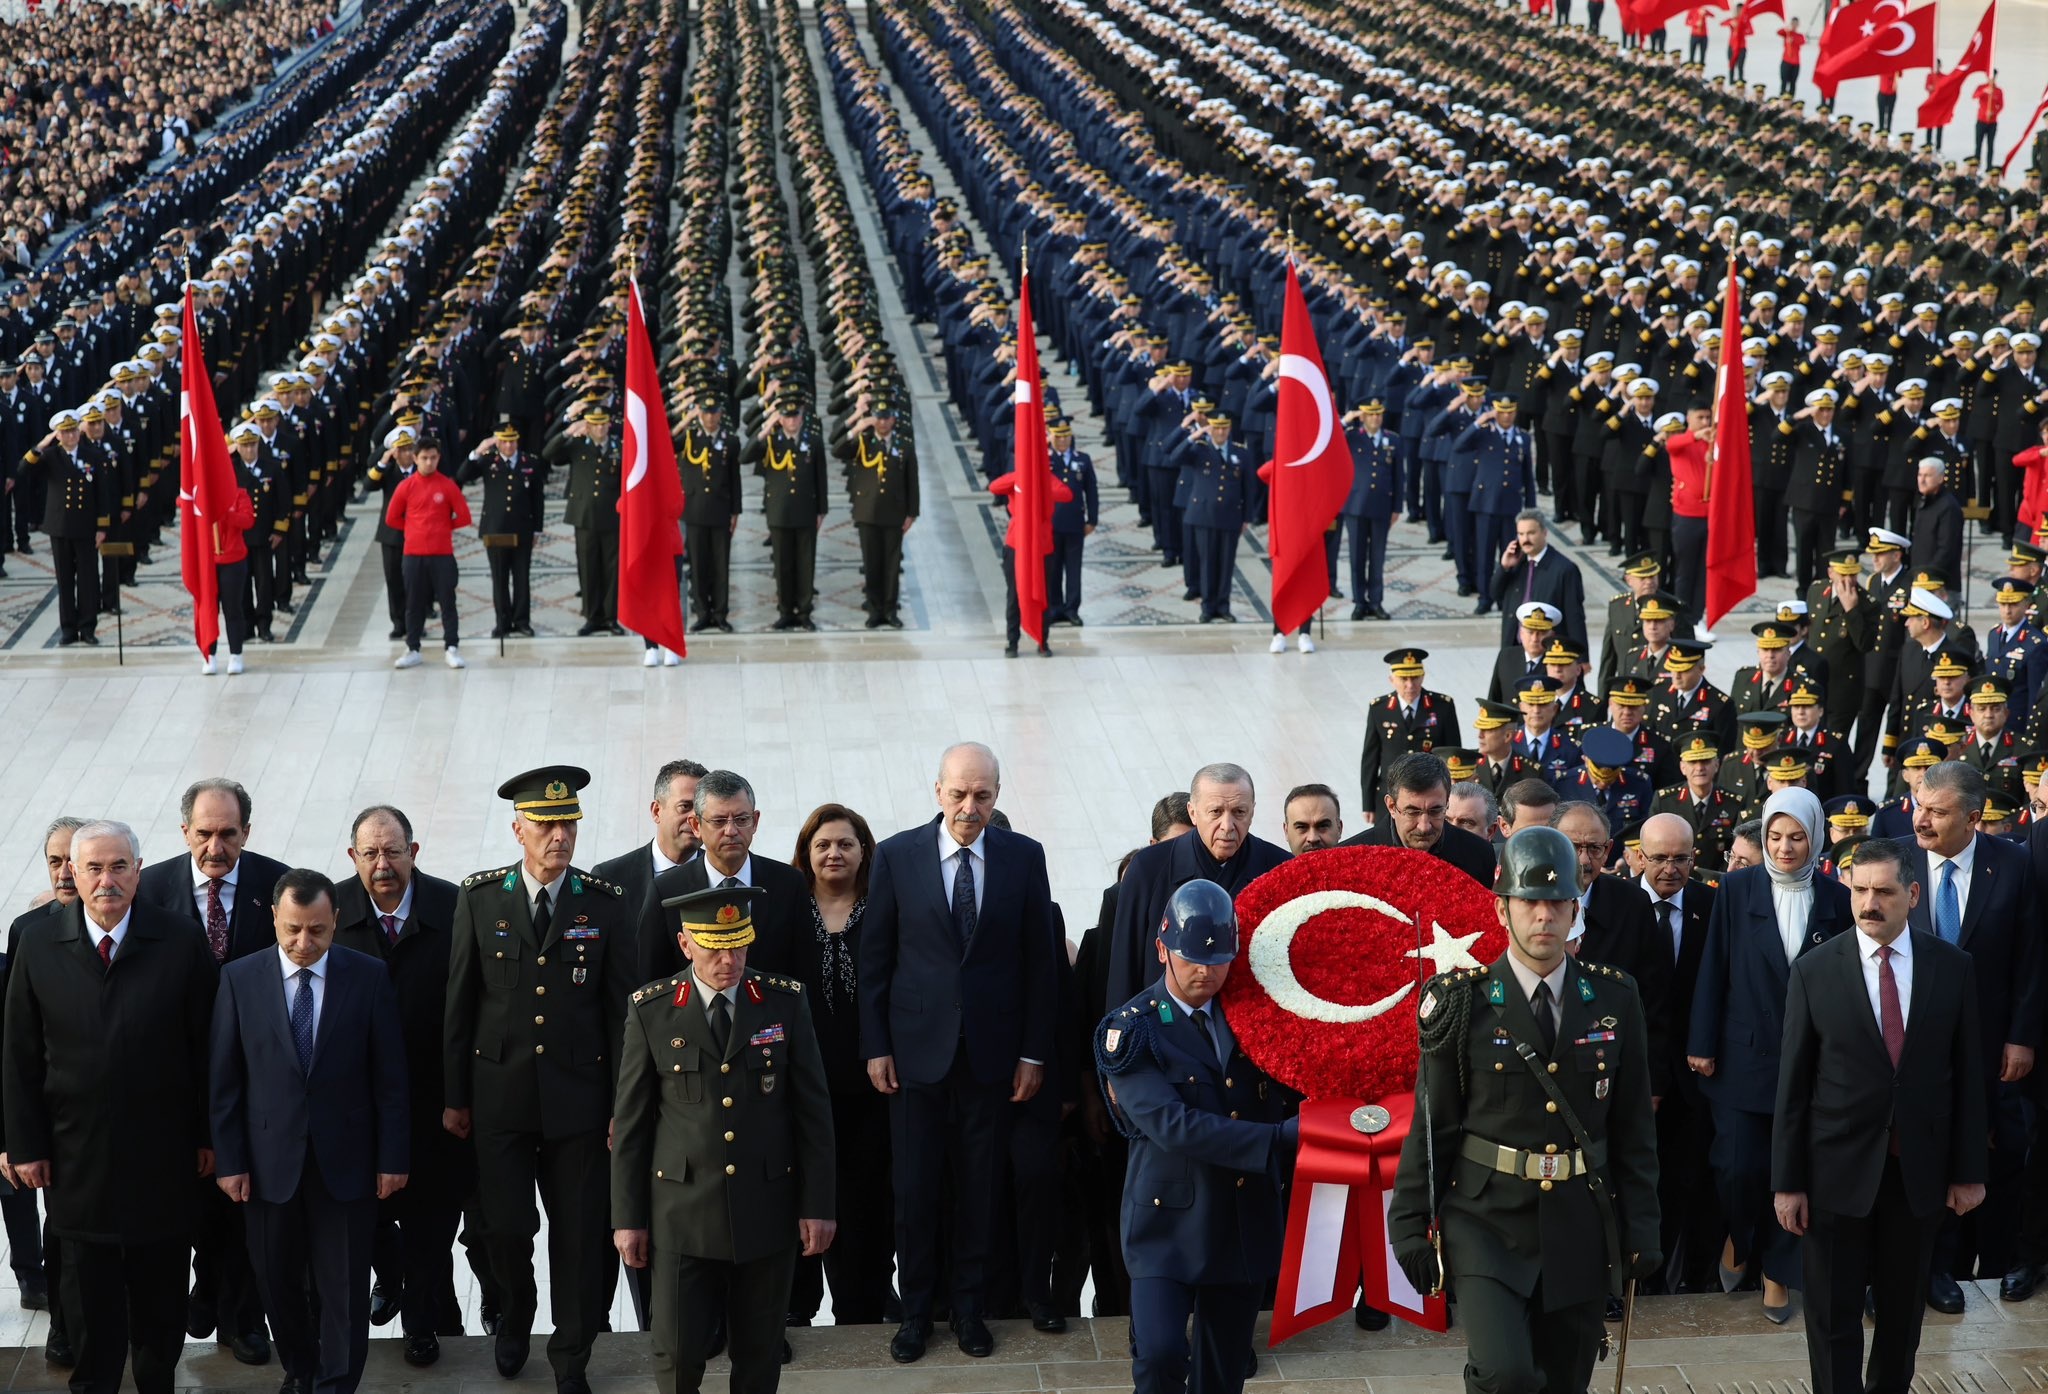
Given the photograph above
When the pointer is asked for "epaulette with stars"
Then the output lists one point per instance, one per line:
(495, 874)
(600, 884)
(790, 985)
(1457, 977)
(1124, 1039)
(654, 990)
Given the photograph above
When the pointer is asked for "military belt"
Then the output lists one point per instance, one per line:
(1529, 1166)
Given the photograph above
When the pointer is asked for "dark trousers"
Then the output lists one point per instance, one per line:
(1696, 48)
(1985, 141)
(1689, 563)
(311, 1255)
(710, 555)
(597, 573)
(881, 567)
(233, 579)
(1812, 531)
(1770, 531)
(1492, 532)
(1887, 103)
(689, 1295)
(431, 581)
(795, 552)
(1591, 492)
(222, 1280)
(1162, 1361)
(1689, 1216)
(394, 582)
(1013, 618)
(1788, 78)
(1514, 1346)
(574, 1178)
(1432, 472)
(1886, 1251)
(1368, 559)
(1065, 574)
(28, 507)
(950, 1136)
(858, 1263)
(426, 1224)
(261, 592)
(1738, 63)
(1214, 553)
(77, 564)
(511, 572)
(126, 1298)
(1741, 1158)
(1458, 530)
(1165, 517)
(24, 1232)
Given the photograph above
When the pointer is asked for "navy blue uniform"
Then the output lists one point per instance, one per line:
(1503, 484)
(1369, 512)
(1217, 478)
(1070, 523)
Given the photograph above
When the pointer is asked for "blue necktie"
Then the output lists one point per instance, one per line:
(1948, 910)
(302, 1019)
(963, 895)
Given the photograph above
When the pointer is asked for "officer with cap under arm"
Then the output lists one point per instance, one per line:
(1528, 1185)
(1203, 1216)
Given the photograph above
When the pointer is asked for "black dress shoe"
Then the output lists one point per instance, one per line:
(89, 640)
(292, 1385)
(571, 1384)
(972, 1333)
(1074, 620)
(906, 1347)
(1045, 650)
(2021, 1283)
(487, 1317)
(509, 1349)
(383, 1304)
(784, 623)
(1944, 1294)
(250, 1348)
(723, 626)
(874, 622)
(1191, 595)
(1358, 612)
(715, 1347)
(397, 631)
(584, 631)
(422, 1350)
(787, 1354)
(1615, 1309)
(1009, 650)
(1371, 1318)
(1044, 1318)
(57, 1351)
(524, 631)
(35, 1293)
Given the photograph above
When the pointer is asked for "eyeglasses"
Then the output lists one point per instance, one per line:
(1668, 859)
(737, 822)
(1592, 849)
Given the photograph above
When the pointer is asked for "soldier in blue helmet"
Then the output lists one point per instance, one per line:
(1212, 1140)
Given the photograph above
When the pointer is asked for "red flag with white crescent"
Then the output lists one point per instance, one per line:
(2021, 143)
(206, 485)
(650, 498)
(1032, 499)
(1875, 37)
(1940, 107)
(1310, 472)
(1731, 486)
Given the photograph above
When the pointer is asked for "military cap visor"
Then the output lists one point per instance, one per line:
(717, 919)
(548, 794)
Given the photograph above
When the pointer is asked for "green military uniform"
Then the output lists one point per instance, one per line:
(1841, 637)
(535, 998)
(593, 510)
(881, 489)
(1540, 1221)
(794, 494)
(1392, 731)
(722, 1145)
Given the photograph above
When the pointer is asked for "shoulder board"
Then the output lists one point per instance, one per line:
(1606, 971)
(483, 876)
(659, 987)
(789, 985)
(1124, 1041)
(600, 885)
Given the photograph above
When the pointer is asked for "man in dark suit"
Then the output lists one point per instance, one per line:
(1221, 801)
(958, 992)
(2030, 1265)
(1978, 892)
(310, 1128)
(1615, 927)
(1531, 569)
(675, 833)
(222, 891)
(1413, 807)
(398, 914)
(103, 1073)
(725, 821)
(1879, 1132)
(1681, 907)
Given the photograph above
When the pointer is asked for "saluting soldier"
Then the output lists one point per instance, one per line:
(507, 523)
(711, 509)
(1408, 719)
(881, 487)
(790, 457)
(78, 508)
(539, 967)
(722, 1158)
(591, 452)
(1843, 629)
(1623, 636)
(1712, 811)
(2015, 649)
(1528, 1183)
(1218, 1148)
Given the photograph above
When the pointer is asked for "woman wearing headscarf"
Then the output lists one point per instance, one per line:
(1764, 917)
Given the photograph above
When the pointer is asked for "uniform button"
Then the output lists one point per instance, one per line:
(730, 1169)
(1498, 1066)
(540, 1021)
(540, 992)
(1155, 1200)
(1233, 1113)
(1553, 1067)
(501, 953)
(1240, 1183)
(1601, 1066)
(1227, 1084)
(728, 1137)
(1545, 1185)
(727, 1101)
(677, 1042)
(1550, 1148)
(677, 1069)
(658, 1175)
(540, 1050)
(542, 961)
(1550, 1106)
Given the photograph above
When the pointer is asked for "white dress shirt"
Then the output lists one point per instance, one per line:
(661, 862)
(402, 913)
(707, 992)
(1965, 863)
(534, 888)
(1902, 973)
(200, 883)
(119, 933)
(949, 862)
(714, 878)
(291, 987)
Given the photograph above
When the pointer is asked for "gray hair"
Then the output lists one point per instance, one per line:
(1473, 789)
(215, 786)
(107, 827)
(1960, 778)
(995, 766)
(63, 824)
(1533, 515)
(1224, 773)
(1584, 809)
(724, 784)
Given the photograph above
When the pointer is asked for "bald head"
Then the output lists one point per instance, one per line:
(1666, 846)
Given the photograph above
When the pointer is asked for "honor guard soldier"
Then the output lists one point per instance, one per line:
(2015, 649)
(711, 509)
(1610, 778)
(539, 968)
(1072, 522)
(1203, 1217)
(1500, 764)
(1692, 704)
(722, 1157)
(1555, 755)
(1826, 754)
(1406, 720)
(1843, 629)
(1712, 811)
(591, 452)
(1528, 1183)
(507, 522)
(1372, 507)
(790, 458)
(78, 508)
(881, 488)
(1624, 633)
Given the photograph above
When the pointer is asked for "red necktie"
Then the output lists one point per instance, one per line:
(216, 922)
(1891, 1017)
(106, 950)
(390, 928)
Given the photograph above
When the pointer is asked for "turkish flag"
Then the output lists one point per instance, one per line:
(1875, 37)
(2021, 143)
(1031, 495)
(1310, 472)
(1731, 489)
(650, 499)
(206, 486)
(1940, 107)
(1642, 16)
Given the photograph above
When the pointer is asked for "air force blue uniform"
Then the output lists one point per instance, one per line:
(1218, 492)
(1211, 1145)
(1370, 510)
